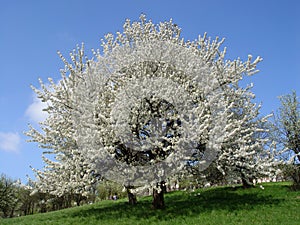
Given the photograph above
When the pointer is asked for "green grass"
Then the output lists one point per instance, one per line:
(276, 204)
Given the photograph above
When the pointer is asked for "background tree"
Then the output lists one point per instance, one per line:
(286, 131)
(8, 195)
(28, 202)
(287, 122)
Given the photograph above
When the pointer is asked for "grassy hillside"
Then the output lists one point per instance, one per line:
(276, 204)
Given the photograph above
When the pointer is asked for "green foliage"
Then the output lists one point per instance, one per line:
(8, 196)
(27, 202)
(107, 189)
(287, 126)
(275, 204)
(291, 172)
(286, 132)
(295, 174)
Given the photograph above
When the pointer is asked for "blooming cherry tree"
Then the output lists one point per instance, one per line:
(146, 103)
(66, 171)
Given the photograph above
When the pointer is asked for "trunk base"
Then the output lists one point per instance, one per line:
(131, 198)
(158, 199)
(247, 184)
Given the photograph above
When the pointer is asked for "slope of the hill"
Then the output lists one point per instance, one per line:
(275, 204)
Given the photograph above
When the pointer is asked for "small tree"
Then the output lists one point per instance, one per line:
(8, 195)
(286, 131)
(27, 201)
(288, 126)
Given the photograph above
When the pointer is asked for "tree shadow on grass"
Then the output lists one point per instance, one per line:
(181, 204)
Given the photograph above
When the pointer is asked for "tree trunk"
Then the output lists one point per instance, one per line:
(298, 156)
(131, 197)
(158, 196)
(246, 183)
(78, 198)
(5, 214)
(12, 212)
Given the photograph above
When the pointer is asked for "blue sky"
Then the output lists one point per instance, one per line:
(31, 32)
